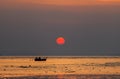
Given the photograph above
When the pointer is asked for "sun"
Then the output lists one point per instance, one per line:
(60, 40)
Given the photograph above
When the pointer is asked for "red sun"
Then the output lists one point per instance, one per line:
(60, 41)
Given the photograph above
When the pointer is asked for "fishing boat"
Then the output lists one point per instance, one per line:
(40, 59)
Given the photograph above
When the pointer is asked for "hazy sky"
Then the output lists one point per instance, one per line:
(30, 27)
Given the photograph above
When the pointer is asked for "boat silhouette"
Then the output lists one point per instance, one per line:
(40, 59)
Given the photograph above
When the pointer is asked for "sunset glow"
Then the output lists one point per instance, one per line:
(77, 2)
(61, 2)
(57, 39)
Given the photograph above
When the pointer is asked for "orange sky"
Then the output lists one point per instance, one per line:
(76, 2)
(61, 2)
